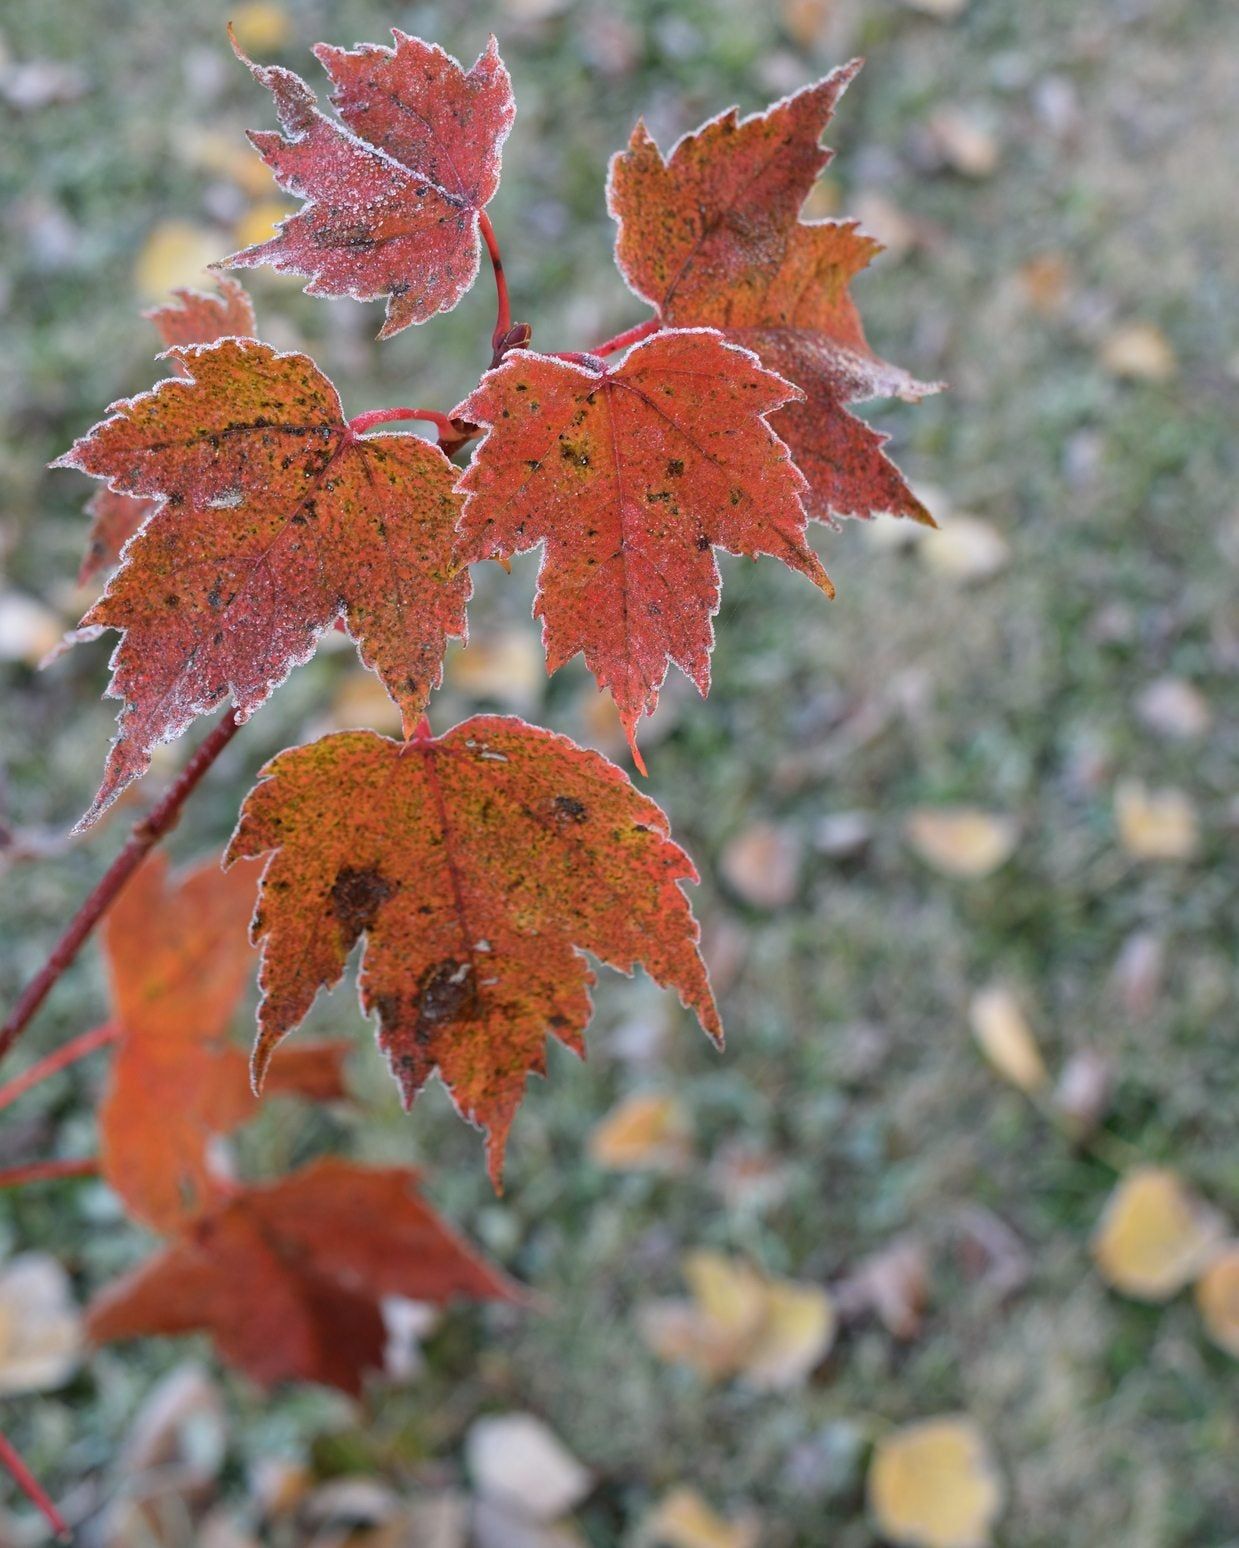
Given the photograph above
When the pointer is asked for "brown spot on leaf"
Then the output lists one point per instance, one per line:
(356, 897)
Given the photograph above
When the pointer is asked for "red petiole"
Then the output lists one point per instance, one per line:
(30, 1486)
(69, 1053)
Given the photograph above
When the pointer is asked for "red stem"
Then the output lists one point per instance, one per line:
(146, 834)
(632, 335)
(47, 1171)
(363, 422)
(503, 320)
(69, 1053)
(33, 1489)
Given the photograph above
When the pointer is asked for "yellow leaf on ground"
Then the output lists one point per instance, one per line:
(966, 549)
(684, 1520)
(1217, 1296)
(176, 253)
(223, 155)
(961, 840)
(941, 10)
(1156, 824)
(29, 631)
(796, 1331)
(361, 700)
(1138, 352)
(1005, 1038)
(261, 26)
(1154, 1236)
(260, 222)
(772, 1332)
(934, 1485)
(40, 1327)
(644, 1132)
(505, 665)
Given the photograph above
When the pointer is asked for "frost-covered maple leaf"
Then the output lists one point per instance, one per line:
(479, 866)
(632, 476)
(710, 236)
(395, 191)
(276, 519)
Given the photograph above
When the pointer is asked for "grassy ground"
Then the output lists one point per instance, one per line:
(849, 1064)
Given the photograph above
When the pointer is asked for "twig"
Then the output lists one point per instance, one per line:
(33, 1489)
(629, 336)
(47, 1171)
(146, 834)
(69, 1053)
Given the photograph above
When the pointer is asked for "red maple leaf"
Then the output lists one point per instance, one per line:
(479, 866)
(277, 519)
(179, 959)
(288, 1277)
(632, 476)
(393, 198)
(194, 317)
(710, 237)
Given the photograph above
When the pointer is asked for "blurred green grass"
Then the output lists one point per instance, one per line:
(1113, 1423)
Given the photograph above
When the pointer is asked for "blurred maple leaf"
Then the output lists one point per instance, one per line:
(288, 1277)
(179, 959)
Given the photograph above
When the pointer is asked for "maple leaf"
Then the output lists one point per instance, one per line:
(632, 476)
(710, 237)
(194, 317)
(277, 519)
(480, 866)
(394, 196)
(288, 1277)
(179, 960)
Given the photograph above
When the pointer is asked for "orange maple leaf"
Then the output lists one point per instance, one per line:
(479, 866)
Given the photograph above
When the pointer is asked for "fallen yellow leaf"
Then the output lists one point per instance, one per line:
(1156, 824)
(1217, 1296)
(261, 26)
(772, 1332)
(684, 1520)
(797, 1329)
(1138, 352)
(361, 700)
(934, 1485)
(1005, 1038)
(40, 1327)
(506, 665)
(1154, 1236)
(961, 840)
(175, 253)
(260, 222)
(29, 631)
(644, 1132)
(966, 549)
